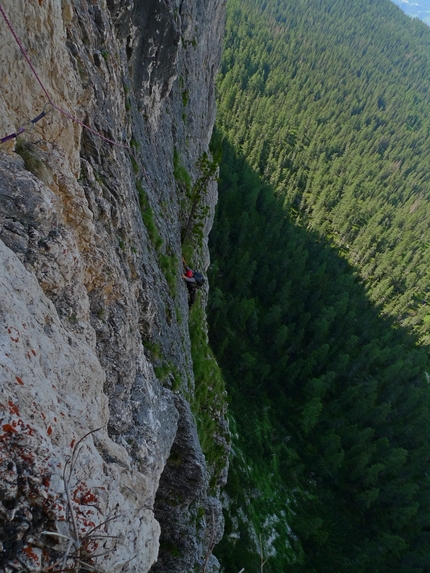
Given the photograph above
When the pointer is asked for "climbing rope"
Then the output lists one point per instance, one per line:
(51, 102)
(51, 106)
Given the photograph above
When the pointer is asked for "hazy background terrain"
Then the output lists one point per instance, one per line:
(420, 9)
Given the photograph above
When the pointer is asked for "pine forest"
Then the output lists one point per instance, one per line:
(319, 306)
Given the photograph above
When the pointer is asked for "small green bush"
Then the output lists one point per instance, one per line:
(134, 144)
(169, 266)
(210, 397)
(32, 162)
(154, 349)
(185, 97)
(168, 372)
(168, 262)
(148, 217)
(134, 165)
(183, 178)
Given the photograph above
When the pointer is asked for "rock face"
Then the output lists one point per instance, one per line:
(96, 431)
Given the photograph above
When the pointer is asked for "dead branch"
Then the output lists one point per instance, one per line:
(211, 544)
(262, 560)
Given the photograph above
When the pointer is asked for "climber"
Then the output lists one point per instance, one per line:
(194, 280)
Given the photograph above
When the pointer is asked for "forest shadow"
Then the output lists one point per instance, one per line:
(330, 398)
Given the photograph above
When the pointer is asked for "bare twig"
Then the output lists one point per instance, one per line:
(56, 534)
(80, 554)
(262, 560)
(102, 537)
(211, 544)
(110, 518)
(94, 555)
(51, 567)
(89, 567)
(75, 449)
(127, 562)
(66, 554)
(77, 542)
(75, 526)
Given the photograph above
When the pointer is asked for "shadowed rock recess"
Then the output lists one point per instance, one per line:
(101, 466)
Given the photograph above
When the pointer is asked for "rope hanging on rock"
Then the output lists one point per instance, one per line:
(62, 111)
(59, 109)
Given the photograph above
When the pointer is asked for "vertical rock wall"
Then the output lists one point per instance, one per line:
(88, 303)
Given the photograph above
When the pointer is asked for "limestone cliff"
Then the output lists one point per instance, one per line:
(98, 443)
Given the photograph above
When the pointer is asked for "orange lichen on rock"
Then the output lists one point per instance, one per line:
(13, 408)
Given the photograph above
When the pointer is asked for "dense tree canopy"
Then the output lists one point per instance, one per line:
(329, 101)
(319, 284)
(326, 392)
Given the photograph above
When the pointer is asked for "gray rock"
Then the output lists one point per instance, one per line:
(92, 302)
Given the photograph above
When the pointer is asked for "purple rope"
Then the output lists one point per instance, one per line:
(62, 111)
(11, 136)
(22, 129)
(24, 53)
